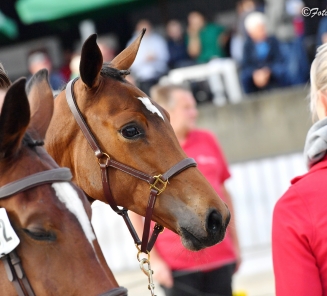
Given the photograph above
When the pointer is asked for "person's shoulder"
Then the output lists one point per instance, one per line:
(202, 134)
(314, 177)
(309, 189)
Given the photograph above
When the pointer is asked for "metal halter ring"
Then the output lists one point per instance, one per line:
(104, 156)
(139, 252)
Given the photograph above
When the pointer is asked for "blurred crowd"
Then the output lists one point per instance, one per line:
(263, 61)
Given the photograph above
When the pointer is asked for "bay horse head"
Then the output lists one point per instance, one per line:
(51, 218)
(134, 131)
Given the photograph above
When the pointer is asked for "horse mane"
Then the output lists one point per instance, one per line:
(114, 73)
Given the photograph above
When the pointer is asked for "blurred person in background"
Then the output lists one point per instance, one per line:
(322, 31)
(299, 237)
(64, 70)
(151, 61)
(38, 60)
(294, 10)
(178, 270)
(295, 51)
(107, 48)
(205, 41)
(263, 66)
(74, 65)
(243, 9)
(178, 56)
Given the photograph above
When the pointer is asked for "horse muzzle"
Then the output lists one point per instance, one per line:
(215, 230)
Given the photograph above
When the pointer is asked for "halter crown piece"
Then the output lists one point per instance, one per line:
(157, 183)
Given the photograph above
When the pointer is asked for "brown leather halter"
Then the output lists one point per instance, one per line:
(157, 183)
(11, 261)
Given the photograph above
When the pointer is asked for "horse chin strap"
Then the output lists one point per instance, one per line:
(157, 183)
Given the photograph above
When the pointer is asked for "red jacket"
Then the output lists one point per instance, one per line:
(299, 235)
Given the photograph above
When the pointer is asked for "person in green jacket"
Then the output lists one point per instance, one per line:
(205, 41)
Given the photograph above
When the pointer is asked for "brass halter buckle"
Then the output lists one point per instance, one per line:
(158, 181)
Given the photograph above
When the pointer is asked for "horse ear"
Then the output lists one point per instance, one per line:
(126, 58)
(41, 103)
(14, 119)
(91, 62)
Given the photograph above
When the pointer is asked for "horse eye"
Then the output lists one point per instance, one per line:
(40, 235)
(130, 132)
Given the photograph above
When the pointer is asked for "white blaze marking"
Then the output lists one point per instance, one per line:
(68, 196)
(152, 108)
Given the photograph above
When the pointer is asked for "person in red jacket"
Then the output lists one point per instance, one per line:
(178, 270)
(299, 236)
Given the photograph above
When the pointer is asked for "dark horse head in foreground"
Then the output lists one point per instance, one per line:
(58, 250)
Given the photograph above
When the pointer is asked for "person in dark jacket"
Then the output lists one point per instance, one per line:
(178, 55)
(263, 64)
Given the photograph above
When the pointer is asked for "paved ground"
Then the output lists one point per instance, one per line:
(252, 285)
(259, 283)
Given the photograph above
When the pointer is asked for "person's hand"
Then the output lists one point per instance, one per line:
(162, 273)
(261, 77)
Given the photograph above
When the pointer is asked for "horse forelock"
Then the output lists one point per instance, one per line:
(106, 71)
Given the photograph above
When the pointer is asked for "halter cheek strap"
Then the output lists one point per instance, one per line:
(157, 183)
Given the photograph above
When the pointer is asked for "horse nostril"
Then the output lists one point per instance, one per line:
(214, 222)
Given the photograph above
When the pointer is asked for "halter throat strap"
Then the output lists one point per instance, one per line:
(157, 183)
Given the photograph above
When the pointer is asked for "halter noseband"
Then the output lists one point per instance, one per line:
(157, 183)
